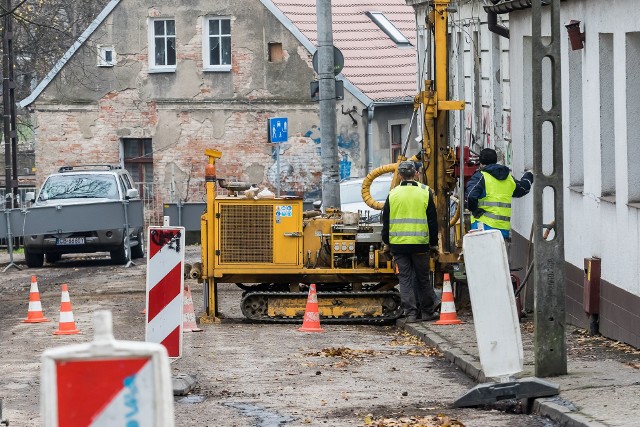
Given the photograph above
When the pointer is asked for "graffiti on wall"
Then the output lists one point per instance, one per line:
(348, 147)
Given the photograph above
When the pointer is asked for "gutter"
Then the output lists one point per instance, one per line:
(506, 6)
(368, 145)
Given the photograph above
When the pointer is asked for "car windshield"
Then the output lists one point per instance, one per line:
(79, 186)
(352, 192)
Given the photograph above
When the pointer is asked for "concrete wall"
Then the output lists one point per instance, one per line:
(85, 112)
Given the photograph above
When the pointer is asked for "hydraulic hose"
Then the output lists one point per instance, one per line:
(366, 184)
(391, 168)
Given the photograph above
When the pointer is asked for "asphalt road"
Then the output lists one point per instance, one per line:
(247, 374)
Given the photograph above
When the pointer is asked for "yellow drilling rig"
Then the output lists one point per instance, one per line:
(272, 249)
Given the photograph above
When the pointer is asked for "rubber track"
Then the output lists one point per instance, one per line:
(384, 319)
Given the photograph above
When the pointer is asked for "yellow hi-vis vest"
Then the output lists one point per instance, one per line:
(408, 215)
(497, 203)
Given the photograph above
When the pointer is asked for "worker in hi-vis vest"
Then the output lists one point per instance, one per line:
(410, 228)
(489, 194)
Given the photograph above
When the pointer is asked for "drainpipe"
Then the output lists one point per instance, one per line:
(494, 27)
(492, 23)
(369, 144)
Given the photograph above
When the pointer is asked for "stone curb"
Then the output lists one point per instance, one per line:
(543, 406)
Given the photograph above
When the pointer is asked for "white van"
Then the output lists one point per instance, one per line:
(351, 195)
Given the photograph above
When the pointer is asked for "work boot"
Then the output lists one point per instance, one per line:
(427, 317)
(411, 319)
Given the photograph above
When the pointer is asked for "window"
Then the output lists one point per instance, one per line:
(576, 125)
(106, 56)
(275, 52)
(385, 25)
(138, 160)
(396, 142)
(633, 112)
(216, 46)
(162, 45)
(607, 118)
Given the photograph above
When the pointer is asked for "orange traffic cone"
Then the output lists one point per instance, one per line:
(35, 314)
(188, 313)
(448, 314)
(66, 326)
(311, 321)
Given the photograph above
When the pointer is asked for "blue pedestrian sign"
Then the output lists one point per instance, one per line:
(278, 129)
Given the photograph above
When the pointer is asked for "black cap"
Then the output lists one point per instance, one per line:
(407, 168)
(488, 156)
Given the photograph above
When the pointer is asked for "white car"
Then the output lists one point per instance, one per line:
(351, 195)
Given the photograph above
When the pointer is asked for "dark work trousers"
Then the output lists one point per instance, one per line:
(416, 292)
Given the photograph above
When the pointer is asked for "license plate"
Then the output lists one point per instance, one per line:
(70, 241)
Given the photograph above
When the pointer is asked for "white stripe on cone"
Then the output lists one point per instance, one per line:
(66, 317)
(448, 307)
(35, 306)
(65, 297)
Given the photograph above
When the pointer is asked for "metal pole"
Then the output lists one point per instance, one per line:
(9, 245)
(126, 233)
(6, 101)
(12, 109)
(277, 144)
(423, 40)
(326, 76)
(550, 352)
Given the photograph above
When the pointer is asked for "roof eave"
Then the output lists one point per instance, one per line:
(68, 54)
(511, 6)
(280, 16)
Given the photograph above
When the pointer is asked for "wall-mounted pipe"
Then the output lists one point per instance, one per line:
(369, 145)
(505, 6)
(494, 27)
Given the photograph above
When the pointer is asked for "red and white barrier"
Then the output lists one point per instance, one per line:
(165, 279)
(106, 383)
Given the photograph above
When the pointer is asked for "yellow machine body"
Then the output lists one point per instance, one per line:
(272, 249)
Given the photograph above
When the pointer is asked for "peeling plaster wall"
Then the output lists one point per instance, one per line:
(86, 110)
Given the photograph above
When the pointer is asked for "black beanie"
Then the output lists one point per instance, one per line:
(488, 156)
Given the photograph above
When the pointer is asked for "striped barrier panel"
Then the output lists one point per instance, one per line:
(165, 281)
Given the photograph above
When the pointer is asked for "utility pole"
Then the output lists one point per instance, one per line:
(550, 349)
(326, 76)
(9, 113)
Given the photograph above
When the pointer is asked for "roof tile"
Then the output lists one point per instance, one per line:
(382, 70)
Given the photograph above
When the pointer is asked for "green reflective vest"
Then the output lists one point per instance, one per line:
(408, 215)
(497, 203)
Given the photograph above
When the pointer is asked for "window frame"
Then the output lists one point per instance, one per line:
(404, 128)
(206, 65)
(140, 160)
(153, 67)
(102, 60)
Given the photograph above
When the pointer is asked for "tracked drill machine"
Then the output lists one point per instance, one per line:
(272, 249)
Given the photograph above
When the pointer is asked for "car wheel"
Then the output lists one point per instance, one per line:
(53, 257)
(120, 255)
(33, 260)
(138, 250)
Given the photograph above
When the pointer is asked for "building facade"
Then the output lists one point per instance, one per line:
(600, 104)
(150, 86)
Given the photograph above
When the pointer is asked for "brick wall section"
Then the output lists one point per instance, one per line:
(179, 156)
(618, 318)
